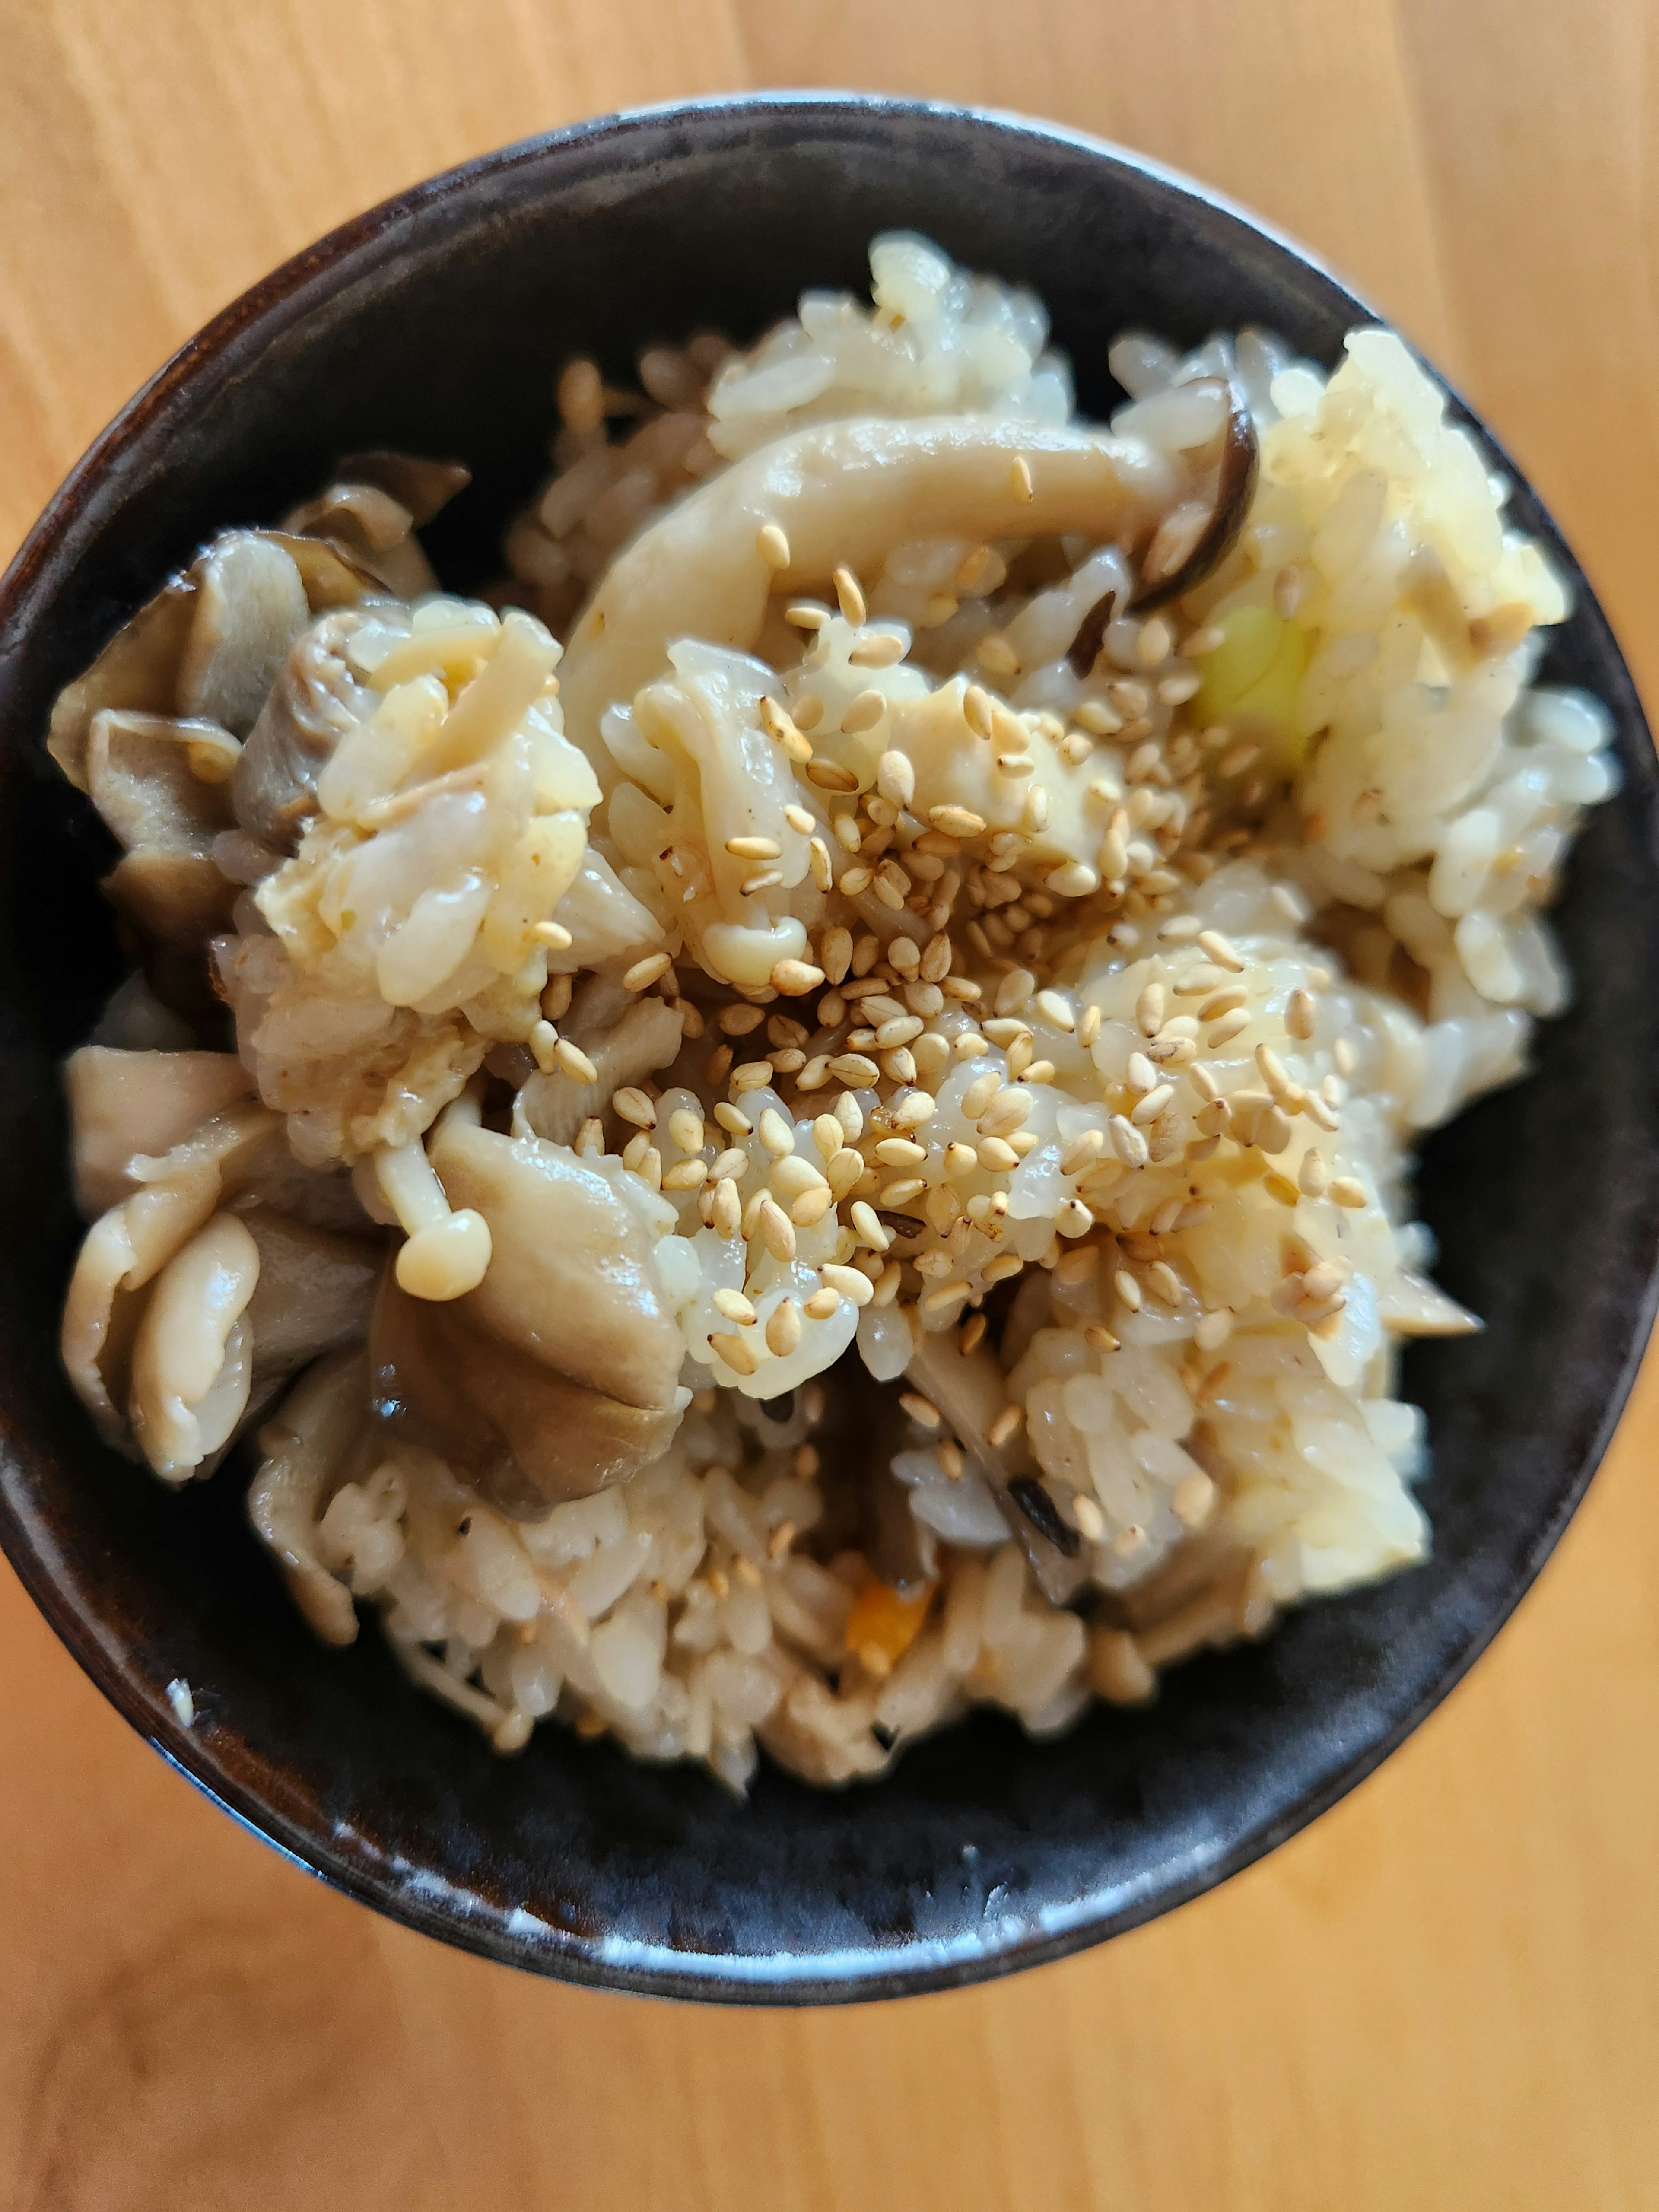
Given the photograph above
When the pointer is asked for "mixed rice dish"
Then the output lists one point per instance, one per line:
(801, 1118)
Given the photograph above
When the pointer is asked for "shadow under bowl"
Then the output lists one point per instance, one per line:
(437, 323)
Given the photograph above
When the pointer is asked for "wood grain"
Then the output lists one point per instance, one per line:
(1442, 1995)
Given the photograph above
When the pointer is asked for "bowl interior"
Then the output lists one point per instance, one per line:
(438, 324)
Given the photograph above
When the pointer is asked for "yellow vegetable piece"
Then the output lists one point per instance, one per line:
(1255, 674)
(884, 1623)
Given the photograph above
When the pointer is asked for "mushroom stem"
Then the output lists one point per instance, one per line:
(446, 1254)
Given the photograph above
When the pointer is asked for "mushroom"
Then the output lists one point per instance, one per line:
(193, 1351)
(625, 1038)
(971, 1390)
(159, 782)
(559, 1373)
(841, 492)
(602, 917)
(315, 1293)
(376, 529)
(303, 1448)
(444, 1253)
(1195, 537)
(315, 702)
(251, 605)
(122, 1103)
(372, 510)
(126, 1249)
(155, 664)
(422, 486)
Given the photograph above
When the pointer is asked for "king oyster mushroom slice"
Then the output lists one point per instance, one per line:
(971, 1390)
(316, 700)
(559, 1375)
(128, 1103)
(842, 492)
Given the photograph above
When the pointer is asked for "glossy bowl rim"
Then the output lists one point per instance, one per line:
(328, 264)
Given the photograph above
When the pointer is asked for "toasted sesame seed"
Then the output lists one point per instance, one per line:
(765, 879)
(867, 1228)
(1275, 1073)
(1213, 1329)
(543, 1041)
(1227, 1029)
(956, 821)
(995, 655)
(1148, 1108)
(1203, 1082)
(850, 596)
(772, 545)
(574, 1061)
(735, 1307)
(783, 1332)
(830, 775)
(865, 711)
(821, 1304)
(848, 1283)
(1019, 479)
(799, 819)
(1127, 1142)
(1346, 1191)
(777, 1230)
(1003, 1429)
(734, 1352)
(634, 1105)
(644, 973)
(1127, 1288)
(553, 935)
(1221, 950)
(920, 1409)
(753, 848)
(1088, 1028)
(880, 649)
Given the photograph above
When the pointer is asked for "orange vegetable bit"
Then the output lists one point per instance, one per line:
(884, 1623)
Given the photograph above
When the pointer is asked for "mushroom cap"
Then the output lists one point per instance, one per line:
(527, 1435)
(572, 1283)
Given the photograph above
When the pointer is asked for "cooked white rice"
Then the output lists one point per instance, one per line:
(1122, 976)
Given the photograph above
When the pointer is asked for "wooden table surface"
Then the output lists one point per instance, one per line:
(1443, 1996)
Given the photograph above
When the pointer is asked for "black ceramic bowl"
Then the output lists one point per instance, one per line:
(436, 323)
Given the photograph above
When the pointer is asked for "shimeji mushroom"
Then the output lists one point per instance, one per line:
(558, 1373)
(844, 494)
